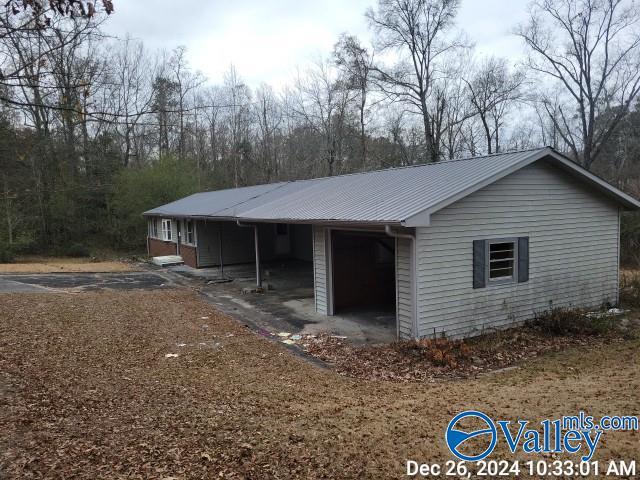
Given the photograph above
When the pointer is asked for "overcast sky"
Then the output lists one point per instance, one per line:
(267, 40)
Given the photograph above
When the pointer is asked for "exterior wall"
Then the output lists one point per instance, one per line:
(189, 255)
(237, 243)
(301, 242)
(321, 278)
(159, 248)
(405, 291)
(573, 252)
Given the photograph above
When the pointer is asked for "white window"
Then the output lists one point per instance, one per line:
(154, 228)
(502, 260)
(189, 235)
(166, 229)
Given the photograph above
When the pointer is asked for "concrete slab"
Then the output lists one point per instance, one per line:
(288, 305)
(167, 260)
(50, 282)
(11, 286)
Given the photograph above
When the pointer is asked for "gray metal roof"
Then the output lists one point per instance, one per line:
(403, 196)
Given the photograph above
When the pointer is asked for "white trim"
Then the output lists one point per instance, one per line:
(185, 236)
(487, 262)
(167, 232)
(328, 255)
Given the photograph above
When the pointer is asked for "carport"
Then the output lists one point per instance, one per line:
(360, 273)
(225, 244)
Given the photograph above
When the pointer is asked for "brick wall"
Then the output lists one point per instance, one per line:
(158, 248)
(189, 255)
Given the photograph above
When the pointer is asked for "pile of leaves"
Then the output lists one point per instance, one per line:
(573, 321)
(428, 360)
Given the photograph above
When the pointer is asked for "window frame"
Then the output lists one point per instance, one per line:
(154, 227)
(167, 232)
(189, 231)
(487, 265)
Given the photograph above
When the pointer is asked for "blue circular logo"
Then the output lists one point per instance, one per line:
(456, 437)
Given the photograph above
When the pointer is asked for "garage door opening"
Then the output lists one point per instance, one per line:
(363, 272)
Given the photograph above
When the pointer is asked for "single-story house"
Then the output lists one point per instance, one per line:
(455, 247)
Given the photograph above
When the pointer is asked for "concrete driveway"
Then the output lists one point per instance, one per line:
(52, 282)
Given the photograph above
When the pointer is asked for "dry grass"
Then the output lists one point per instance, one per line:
(87, 392)
(64, 265)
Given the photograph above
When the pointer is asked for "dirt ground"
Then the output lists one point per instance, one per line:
(64, 265)
(90, 388)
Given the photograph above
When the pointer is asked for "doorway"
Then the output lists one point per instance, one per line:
(363, 272)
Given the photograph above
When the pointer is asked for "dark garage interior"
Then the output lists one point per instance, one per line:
(363, 272)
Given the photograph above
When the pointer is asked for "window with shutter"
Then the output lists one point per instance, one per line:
(499, 261)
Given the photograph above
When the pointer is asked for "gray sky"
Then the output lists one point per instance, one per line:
(267, 40)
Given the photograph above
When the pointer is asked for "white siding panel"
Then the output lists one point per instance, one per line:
(573, 252)
(320, 270)
(404, 288)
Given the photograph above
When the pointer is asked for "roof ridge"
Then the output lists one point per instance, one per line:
(402, 167)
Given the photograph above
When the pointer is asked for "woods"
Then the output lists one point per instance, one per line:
(94, 130)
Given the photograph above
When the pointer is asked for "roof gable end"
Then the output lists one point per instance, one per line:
(422, 217)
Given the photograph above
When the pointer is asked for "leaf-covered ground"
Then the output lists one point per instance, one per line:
(65, 265)
(87, 391)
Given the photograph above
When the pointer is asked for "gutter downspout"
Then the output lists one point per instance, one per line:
(257, 245)
(414, 288)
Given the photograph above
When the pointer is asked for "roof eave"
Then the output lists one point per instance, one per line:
(306, 221)
(422, 218)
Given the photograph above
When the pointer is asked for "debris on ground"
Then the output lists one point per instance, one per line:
(429, 360)
(250, 290)
(171, 355)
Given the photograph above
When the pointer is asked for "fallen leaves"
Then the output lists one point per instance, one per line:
(419, 362)
(86, 392)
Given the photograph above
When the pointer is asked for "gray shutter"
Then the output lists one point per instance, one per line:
(523, 259)
(479, 259)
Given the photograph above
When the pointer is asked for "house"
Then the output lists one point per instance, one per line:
(455, 248)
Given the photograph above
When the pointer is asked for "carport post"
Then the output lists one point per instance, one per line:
(220, 250)
(257, 245)
(256, 241)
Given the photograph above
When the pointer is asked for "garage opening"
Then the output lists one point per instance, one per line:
(363, 272)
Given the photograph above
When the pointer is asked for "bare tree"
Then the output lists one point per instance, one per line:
(591, 48)
(356, 62)
(492, 90)
(268, 117)
(321, 101)
(416, 30)
(131, 74)
(239, 112)
(186, 81)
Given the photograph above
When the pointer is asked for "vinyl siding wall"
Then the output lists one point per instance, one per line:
(573, 252)
(320, 270)
(404, 287)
